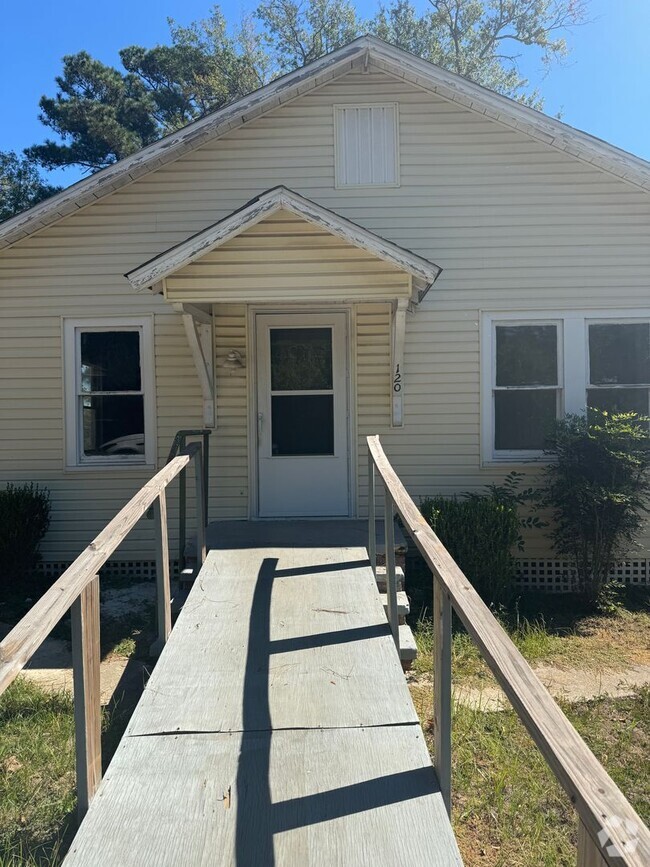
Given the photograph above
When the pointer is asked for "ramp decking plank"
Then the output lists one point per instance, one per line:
(338, 797)
(276, 729)
(300, 633)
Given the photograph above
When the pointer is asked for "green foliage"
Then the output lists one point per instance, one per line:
(299, 32)
(597, 489)
(21, 185)
(482, 39)
(470, 37)
(101, 114)
(480, 532)
(24, 519)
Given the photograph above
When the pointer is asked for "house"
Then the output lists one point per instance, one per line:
(368, 245)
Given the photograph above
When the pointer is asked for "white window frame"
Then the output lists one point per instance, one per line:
(573, 365)
(338, 183)
(74, 456)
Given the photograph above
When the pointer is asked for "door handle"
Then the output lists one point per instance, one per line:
(260, 422)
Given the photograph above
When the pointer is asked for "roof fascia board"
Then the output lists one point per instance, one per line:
(388, 58)
(273, 200)
(508, 112)
(169, 148)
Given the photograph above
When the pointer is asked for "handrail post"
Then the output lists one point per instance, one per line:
(163, 593)
(588, 852)
(442, 689)
(391, 583)
(200, 510)
(87, 695)
(182, 510)
(206, 475)
(372, 527)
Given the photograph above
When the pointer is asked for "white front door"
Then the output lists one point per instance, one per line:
(302, 405)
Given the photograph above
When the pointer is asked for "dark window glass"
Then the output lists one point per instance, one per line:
(619, 354)
(302, 424)
(113, 425)
(522, 419)
(526, 355)
(110, 361)
(617, 400)
(301, 359)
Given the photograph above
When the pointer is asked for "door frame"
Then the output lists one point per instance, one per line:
(252, 387)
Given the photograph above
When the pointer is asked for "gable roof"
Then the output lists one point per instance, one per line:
(388, 58)
(423, 271)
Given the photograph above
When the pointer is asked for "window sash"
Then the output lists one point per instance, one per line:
(573, 367)
(74, 440)
(507, 454)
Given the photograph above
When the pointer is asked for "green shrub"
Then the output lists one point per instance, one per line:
(24, 519)
(597, 489)
(480, 532)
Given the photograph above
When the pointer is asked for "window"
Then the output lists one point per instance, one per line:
(619, 366)
(109, 392)
(534, 368)
(366, 147)
(526, 391)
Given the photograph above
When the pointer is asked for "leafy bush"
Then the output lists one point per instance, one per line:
(597, 489)
(481, 531)
(24, 519)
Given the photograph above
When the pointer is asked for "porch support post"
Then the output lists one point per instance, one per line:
(398, 329)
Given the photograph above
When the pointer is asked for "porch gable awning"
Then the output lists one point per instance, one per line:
(153, 273)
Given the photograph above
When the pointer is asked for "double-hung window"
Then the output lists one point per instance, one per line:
(526, 384)
(536, 367)
(109, 392)
(619, 366)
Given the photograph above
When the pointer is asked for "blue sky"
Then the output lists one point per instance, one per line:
(603, 88)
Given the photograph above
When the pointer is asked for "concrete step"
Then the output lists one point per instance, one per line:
(381, 578)
(407, 647)
(403, 607)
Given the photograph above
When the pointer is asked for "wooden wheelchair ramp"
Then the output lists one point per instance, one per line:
(276, 729)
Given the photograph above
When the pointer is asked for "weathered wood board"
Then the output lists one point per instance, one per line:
(277, 728)
(336, 797)
(281, 638)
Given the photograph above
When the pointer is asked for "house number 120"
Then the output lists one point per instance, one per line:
(397, 380)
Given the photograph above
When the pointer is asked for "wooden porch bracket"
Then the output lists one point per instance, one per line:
(198, 328)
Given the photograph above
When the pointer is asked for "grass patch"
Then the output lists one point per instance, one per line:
(509, 811)
(37, 781)
(552, 630)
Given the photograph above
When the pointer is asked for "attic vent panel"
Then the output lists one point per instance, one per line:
(366, 150)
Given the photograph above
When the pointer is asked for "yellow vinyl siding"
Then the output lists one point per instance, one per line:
(287, 256)
(514, 224)
(229, 442)
(372, 349)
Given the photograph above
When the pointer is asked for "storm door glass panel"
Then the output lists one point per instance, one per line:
(619, 367)
(110, 395)
(302, 395)
(527, 389)
(301, 359)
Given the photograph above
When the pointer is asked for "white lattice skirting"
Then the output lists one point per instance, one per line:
(557, 576)
(135, 570)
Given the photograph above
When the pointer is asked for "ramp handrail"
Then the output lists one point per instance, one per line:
(78, 588)
(178, 444)
(610, 831)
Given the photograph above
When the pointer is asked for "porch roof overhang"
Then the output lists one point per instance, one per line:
(153, 273)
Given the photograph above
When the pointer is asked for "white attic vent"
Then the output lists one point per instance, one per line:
(366, 151)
